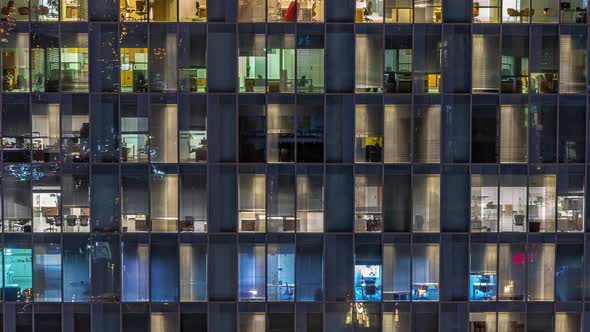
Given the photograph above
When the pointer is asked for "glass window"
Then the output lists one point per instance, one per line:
(567, 321)
(163, 130)
(74, 61)
(74, 10)
(134, 199)
(193, 129)
(396, 272)
(15, 61)
(76, 268)
(45, 59)
(573, 11)
(17, 198)
(280, 271)
(281, 199)
(134, 57)
(425, 272)
(543, 124)
(135, 10)
(133, 317)
(310, 200)
(193, 270)
(252, 202)
(485, 63)
(426, 203)
(14, 10)
(44, 10)
(163, 56)
(570, 199)
(542, 198)
(515, 59)
(485, 321)
(397, 128)
(486, 11)
(310, 57)
(252, 62)
(192, 60)
(398, 60)
(545, 11)
(484, 133)
(513, 203)
(572, 129)
(16, 129)
(512, 262)
(368, 133)
(164, 198)
(310, 129)
(135, 261)
(513, 133)
(428, 11)
(252, 321)
(280, 133)
(516, 11)
(511, 321)
(75, 128)
(427, 54)
(309, 268)
(544, 59)
(280, 53)
(163, 321)
(105, 128)
(368, 190)
(161, 10)
(569, 271)
(75, 198)
(369, 11)
(251, 10)
(18, 270)
(541, 271)
(310, 10)
(252, 132)
(251, 272)
(367, 271)
(106, 267)
(483, 276)
(164, 268)
(369, 59)
(426, 133)
(47, 269)
(46, 198)
(134, 127)
(192, 11)
(397, 11)
(484, 203)
(193, 199)
(105, 201)
(572, 60)
(104, 62)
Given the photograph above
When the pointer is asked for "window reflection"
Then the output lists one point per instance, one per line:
(516, 11)
(425, 272)
(484, 203)
(192, 61)
(281, 199)
(14, 10)
(252, 202)
(251, 272)
(74, 10)
(397, 11)
(15, 62)
(74, 62)
(573, 11)
(369, 61)
(369, 11)
(426, 203)
(428, 11)
(486, 11)
(192, 11)
(542, 194)
(46, 131)
(310, 59)
(18, 272)
(134, 129)
(367, 272)
(281, 62)
(570, 200)
(45, 59)
(251, 11)
(398, 62)
(134, 58)
(310, 202)
(368, 201)
(75, 128)
(164, 198)
(368, 133)
(396, 272)
(134, 10)
(513, 203)
(47, 199)
(483, 276)
(512, 262)
(193, 199)
(252, 62)
(280, 272)
(44, 10)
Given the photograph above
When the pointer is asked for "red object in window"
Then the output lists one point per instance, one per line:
(519, 258)
(291, 13)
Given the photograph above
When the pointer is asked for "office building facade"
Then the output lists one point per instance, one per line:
(282, 165)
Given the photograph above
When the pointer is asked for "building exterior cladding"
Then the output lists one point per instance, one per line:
(309, 165)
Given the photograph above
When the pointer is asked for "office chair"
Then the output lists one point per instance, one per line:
(367, 11)
(128, 9)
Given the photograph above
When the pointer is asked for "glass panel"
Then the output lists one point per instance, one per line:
(511, 272)
(572, 62)
(310, 131)
(573, 11)
(164, 199)
(567, 321)
(46, 199)
(425, 272)
(280, 133)
(516, 11)
(428, 11)
(251, 272)
(15, 62)
(18, 272)
(427, 134)
(281, 200)
(485, 64)
(544, 58)
(74, 10)
(484, 203)
(16, 129)
(135, 199)
(193, 272)
(513, 202)
(75, 128)
(310, 10)
(281, 272)
(570, 200)
(162, 10)
(134, 128)
(192, 11)
(541, 271)
(368, 270)
(16, 194)
(397, 11)
(542, 194)
(482, 276)
(252, 62)
(369, 11)
(163, 321)
(134, 10)
(192, 46)
(368, 133)
(310, 57)
(369, 60)
(368, 203)
(426, 203)
(486, 11)
(483, 321)
(76, 268)
(252, 322)
(310, 203)
(163, 51)
(193, 199)
(193, 129)
(75, 198)
(47, 268)
(513, 134)
(44, 10)
(545, 11)
(398, 63)
(45, 60)
(427, 54)
(106, 268)
(515, 61)
(252, 202)
(251, 131)
(74, 62)
(164, 269)
(134, 56)
(397, 128)
(163, 133)
(135, 261)
(309, 268)
(251, 10)
(396, 272)
(281, 60)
